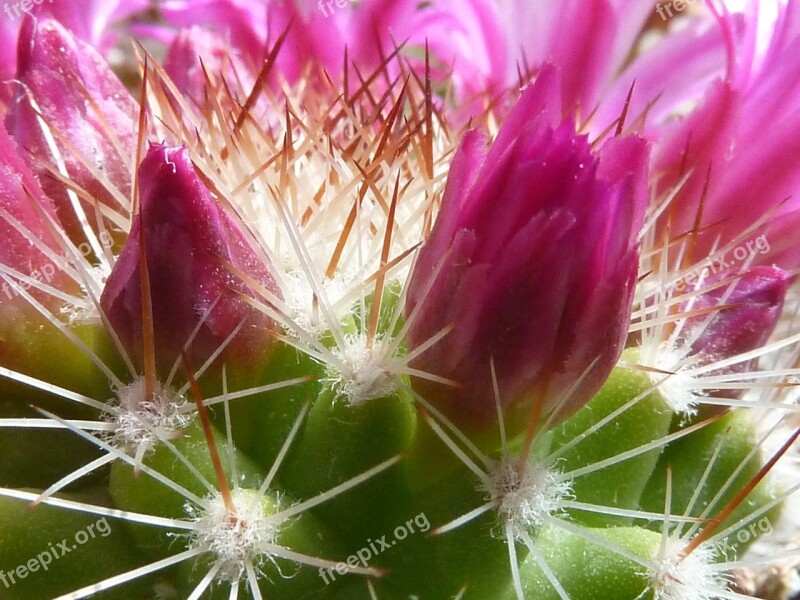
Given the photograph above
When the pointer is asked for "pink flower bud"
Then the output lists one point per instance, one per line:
(532, 261)
(748, 308)
(91, 21)
(87, 119)
(193, 248)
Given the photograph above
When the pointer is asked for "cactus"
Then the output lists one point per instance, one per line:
(261, 338)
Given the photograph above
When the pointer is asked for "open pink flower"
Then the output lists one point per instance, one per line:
(196, 52)
(242, 23)
(481, 47)
(464, 36)
(742, 142)
(589, 40)
(532, 262)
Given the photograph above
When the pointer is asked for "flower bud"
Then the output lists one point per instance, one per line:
(532, 263)
(91, 21)
(71, 109)
(193, 248)
(748, 307)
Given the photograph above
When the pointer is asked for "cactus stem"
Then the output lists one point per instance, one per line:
(522, 501)
(122, 455)
(239, 536)
(74, 476)
(659, 443)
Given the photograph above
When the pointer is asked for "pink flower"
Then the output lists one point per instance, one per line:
(242, 23)
(464, 36)
(589, 40)
(195, 50)
(742, 143)
(193, 248)
(532, 261)
(480, 47)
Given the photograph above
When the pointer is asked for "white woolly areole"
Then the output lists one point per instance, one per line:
(141, 420)
(690, 577)
(526, 499)
(362, 372)
(235, 539)
(299, 296)
(680, 389)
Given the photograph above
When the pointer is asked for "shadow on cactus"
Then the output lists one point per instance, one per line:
(326, 345)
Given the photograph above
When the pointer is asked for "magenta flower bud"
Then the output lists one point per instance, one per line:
(532, 262)
(748, 309)
(91, 21)
(87, 119)
(193, 250)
